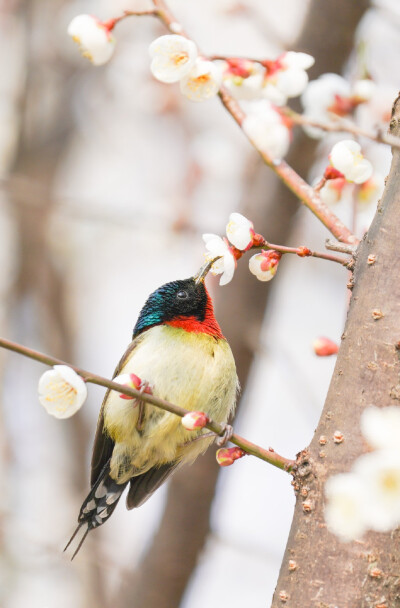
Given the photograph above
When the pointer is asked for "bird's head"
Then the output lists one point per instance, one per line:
(182, 303)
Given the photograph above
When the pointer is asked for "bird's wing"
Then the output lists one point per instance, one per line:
(142, 486)
(103, 444)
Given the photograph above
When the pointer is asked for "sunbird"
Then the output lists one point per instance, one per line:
(179, 353)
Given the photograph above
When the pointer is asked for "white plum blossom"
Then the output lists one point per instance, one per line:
(264, 265)
(286, 77)
(173, 57)
(379, 472)
(244, 81)
(94, 38)
(202, 82)
(61, 391)
(225, 266)
(240, 231)
(264, 126)
(347, 158)
(381, 426)
(344, 509)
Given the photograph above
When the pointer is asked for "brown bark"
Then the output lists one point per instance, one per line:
(329, 572)
(240, 310)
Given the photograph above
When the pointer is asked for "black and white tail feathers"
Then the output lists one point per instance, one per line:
(99, 504)
(102, 499)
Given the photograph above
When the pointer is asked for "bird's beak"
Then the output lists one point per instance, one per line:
(201, 275)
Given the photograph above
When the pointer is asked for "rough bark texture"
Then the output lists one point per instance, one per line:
(168, 565)
(330, 573)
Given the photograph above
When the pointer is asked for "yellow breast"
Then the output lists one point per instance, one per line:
(195, 371)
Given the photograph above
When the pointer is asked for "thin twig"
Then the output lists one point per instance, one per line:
(341, 126)
(340, 247)
(219, 429)
(304, 252)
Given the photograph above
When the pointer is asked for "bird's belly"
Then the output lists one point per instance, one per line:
(194, 371)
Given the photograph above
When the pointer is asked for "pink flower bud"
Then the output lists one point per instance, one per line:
(132, 381)
(332, 173)
(227, 456)
(324, 347)
(265, 264)
(303, 252)
(195, 420)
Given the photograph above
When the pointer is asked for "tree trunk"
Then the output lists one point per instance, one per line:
(331, 573)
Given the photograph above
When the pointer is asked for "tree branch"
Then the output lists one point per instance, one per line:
(269, 455)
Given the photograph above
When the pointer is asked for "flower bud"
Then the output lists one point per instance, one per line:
(265, 264)
(227, 456)
(324, 347)
(303, 252)
(131, 381)
(194, 420)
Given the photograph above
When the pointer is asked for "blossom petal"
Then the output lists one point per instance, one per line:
(229, 269)
(240, 231)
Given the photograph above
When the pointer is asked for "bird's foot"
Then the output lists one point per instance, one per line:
(227, 434)
(144, 387)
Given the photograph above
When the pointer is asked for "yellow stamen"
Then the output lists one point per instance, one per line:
(180, 58)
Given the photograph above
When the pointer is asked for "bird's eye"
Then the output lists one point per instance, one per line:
(182, 295)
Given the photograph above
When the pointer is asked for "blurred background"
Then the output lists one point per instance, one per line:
(107, 181)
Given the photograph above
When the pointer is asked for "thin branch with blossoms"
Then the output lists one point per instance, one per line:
(268, 455)
(341, 126)
(303, 191)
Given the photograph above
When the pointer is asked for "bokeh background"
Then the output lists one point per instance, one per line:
(108, 180)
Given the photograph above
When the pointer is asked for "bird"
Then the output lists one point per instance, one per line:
(179, 353)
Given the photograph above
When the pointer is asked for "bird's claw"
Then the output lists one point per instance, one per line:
(143, 388)
(223, 439)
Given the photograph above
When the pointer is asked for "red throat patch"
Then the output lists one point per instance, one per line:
(208, 326)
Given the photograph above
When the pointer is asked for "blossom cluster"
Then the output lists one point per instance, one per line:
(368, 497)
(275, 80)
(240, 237)
(175, 58)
